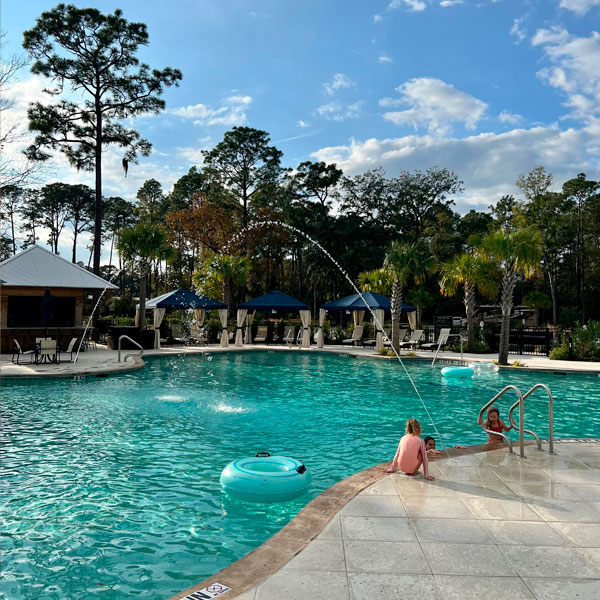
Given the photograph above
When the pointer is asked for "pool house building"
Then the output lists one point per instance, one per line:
(42, 295)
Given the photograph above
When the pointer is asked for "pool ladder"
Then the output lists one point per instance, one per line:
(140, 353)
(521, 426)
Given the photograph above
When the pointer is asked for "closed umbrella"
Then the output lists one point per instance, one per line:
(47, 306)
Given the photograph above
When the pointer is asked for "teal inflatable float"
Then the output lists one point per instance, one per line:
(457, 372)
(266, 478)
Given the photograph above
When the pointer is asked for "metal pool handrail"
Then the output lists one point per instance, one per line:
(140, 353)
(543, 386)
(521, 404)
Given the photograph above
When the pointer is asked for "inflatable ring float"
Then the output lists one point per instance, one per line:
(265, 478)
(484, 367)
(457, 372)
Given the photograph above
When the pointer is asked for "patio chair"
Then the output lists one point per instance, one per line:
(299, 336)
(176, 334)
(70, 348)
(48, 352)
(261, 334)
(441, 341)
(18, 353)
(198, 335)
(414, 340)
(288, 335)
(356, 338)
(88, 341)
(388, 332)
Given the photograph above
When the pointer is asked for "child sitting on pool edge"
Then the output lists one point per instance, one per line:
(411, 453)
(494, 423)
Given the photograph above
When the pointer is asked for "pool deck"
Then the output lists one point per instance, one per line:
(101, 361)
(490, 525)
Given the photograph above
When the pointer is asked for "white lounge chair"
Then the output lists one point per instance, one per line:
(387, 341)
(413, 341)
(288, 335)
(70, 348)
(356, 338)
(441, 341)
(261, 334)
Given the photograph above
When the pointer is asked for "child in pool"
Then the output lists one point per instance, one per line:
(411, 453)
(430, 445)
(494, 423)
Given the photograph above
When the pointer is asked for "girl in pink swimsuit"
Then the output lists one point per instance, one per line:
(411, 453)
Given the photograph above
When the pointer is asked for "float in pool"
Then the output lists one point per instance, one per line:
(110, 486)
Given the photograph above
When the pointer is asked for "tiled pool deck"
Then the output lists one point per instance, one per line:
(490, 525)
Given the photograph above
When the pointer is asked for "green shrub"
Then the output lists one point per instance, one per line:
(560, 352)
(586, 341)
(124, 321)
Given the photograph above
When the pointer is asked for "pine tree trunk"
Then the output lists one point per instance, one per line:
(98, 190)
(396, 309)
(509, 280)
(470, 309)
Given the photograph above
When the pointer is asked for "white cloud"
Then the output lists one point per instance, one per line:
(448, 3)
(579, 7)
(233, 112)
(377, 18)
(435, 105)
(507, 117)
(336, 111)
(574, 68)
(384, 58)
(412, 5)
(339, 81)
(489, 163)
(303, 124)
(517, 30)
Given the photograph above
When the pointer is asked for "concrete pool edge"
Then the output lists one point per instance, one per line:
(259, 564)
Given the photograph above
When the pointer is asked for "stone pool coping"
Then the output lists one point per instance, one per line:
(256, 566)
(103, 361)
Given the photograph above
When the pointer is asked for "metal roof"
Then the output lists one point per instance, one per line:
(38, 267)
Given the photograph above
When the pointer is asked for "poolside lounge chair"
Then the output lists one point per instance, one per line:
(177, 334)
(198, 335)
(356, 338)
(261, 334)
(70, 348)
(388, 332)
(288, 335)
(18, 353)
(413, 341)
(441, 341)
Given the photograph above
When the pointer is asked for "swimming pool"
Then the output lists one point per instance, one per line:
(110, 486)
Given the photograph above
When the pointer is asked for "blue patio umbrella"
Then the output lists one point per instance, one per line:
(368, 299)
(47, 306)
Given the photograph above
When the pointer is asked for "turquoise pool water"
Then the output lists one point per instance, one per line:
(110, 488)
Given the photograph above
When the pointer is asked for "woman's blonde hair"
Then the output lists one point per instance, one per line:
(413, 426)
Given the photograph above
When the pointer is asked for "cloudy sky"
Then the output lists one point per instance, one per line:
(487, 88)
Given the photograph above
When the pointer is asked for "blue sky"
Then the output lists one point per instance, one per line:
(487, 88)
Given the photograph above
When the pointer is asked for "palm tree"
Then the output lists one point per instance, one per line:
(405, 263)
(474, 272)
(377, 280)
(144, 242)
(220, 273)
(515, 251)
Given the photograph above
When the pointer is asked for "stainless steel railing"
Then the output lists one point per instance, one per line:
(140, 353)
(521, 425)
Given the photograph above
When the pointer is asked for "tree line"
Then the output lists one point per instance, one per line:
(390, 234)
